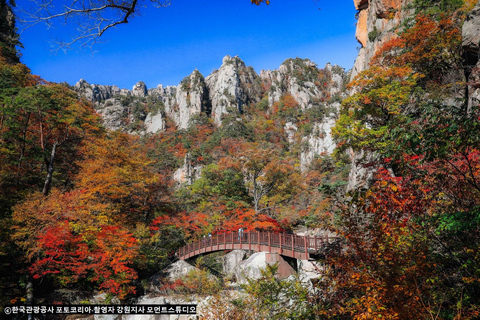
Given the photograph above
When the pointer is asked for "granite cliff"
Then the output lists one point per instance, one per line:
(380, 21)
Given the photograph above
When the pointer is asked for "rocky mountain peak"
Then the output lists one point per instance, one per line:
(235, 61)
(191, 99)
(95, 92)
(309, 85)
(140, 89)
(194, 81)
(289, 65)
(231, 87)
(81, 84)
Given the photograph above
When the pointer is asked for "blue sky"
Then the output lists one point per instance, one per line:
(164, 45)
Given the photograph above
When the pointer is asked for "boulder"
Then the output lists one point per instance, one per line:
(231, 260)
(309, 269)
(251, 268)
(179, 269)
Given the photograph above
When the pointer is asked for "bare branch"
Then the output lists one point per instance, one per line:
(94, 17)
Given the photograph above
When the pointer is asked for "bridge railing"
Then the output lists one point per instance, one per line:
(283, 241)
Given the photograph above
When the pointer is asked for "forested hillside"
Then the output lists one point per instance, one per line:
(100, 185)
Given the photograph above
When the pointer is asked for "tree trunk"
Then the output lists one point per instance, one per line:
(29, 298)
(48, 180)
(256, 196)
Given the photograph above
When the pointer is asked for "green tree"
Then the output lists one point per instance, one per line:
(269, 178)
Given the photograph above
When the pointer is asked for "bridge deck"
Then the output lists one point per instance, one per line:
(294, 246)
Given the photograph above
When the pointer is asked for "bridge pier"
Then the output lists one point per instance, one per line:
(293, 262)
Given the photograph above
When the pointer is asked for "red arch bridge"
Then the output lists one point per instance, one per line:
(290, 245)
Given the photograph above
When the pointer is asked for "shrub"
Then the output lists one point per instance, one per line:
(198, 281)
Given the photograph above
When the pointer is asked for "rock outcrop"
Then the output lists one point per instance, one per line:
(319, 142)
(228, 89)
(154, 122)
(179, 269)
(471, 47)
(299, 77)
(8, 33)
(188, 172)
(94, 92)
(192, 99)
(114, 113)
(232, 87)
(312, 88)
(377, 21)
(139, 89)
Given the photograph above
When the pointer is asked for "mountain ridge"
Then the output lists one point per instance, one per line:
(233, 85)
(226, 92)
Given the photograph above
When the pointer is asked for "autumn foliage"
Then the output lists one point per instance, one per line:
(410, 234)
(87, 208)
(69, 257)
(196, 225)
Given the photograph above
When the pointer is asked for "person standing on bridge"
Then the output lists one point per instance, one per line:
(240, 234)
